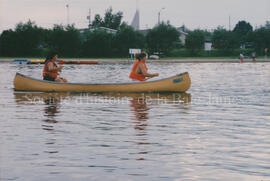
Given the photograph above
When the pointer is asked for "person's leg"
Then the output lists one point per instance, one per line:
(58, 79)
(64, 79)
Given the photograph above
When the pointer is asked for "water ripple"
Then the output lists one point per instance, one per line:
(219, 130)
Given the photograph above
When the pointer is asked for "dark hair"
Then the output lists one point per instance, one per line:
(140, 56)
(50, 56)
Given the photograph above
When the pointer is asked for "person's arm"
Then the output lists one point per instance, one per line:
(51, 68)
(144, 72)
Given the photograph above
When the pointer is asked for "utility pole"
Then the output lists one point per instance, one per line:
(229, 23)
(159, 15)
(67, 6)
(89, 18)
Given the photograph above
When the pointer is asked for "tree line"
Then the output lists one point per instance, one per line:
(242, 39)
(29, 40)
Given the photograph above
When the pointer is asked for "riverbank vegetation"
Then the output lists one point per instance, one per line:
(29, 40)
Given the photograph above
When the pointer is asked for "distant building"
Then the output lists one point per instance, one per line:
(144, 32)
(182, 36)
(208, 45)
(91, 28)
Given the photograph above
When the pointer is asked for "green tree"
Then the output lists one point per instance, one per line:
(97, 44)
(242, 29)
(267, 25)
(26, 40)
(127, 38)
(98, 22)
(261, 39)
(67, 41)
(110, 20)
(30, 37)
(8, 43)
(225, 41)
(162, 38)
(195, 42)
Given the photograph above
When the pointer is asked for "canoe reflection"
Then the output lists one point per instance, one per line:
(91, 98)
(51, 109)
(141, 106)
(51, 102)
(138, 102)
(140, 110)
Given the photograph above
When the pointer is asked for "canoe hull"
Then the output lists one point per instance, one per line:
(178, 83)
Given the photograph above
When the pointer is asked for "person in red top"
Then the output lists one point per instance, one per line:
(51, 69)
(139, 69)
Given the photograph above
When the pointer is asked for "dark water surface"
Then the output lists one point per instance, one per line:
(218, 130)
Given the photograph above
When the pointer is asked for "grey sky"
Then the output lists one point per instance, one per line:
(204, 14)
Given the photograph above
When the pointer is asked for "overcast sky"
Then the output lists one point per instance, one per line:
(203, 14)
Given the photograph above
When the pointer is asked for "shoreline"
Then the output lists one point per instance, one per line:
(165, 60)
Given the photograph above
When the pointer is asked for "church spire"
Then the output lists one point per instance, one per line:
(136, 20)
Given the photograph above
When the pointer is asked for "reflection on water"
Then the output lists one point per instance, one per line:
(80, 137)
(54, 100)
(51, 109)
(138, 102)
(140, 109)
(140, 106)
(51, 102)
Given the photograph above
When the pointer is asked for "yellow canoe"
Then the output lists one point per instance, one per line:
(178, 83)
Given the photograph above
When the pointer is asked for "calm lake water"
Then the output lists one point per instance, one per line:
(218, 130)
